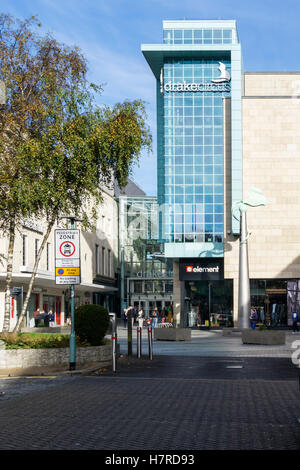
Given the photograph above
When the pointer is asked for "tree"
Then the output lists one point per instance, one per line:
(57, 147)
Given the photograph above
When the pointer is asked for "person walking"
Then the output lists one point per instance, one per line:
(140, 318)
(36, 317)
(295, 319)
(124, 317)
(51, 318)
(253, 318)
(154, 317)
(130, 312)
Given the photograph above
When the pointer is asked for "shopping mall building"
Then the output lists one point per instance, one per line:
(222, 131)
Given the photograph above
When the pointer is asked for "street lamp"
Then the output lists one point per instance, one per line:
(239, 209)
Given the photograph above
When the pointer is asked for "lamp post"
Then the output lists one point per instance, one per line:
(244, 281)
(254, 199)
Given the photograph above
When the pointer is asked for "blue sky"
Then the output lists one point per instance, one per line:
(110, 34)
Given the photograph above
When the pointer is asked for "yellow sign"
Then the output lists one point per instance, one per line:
(67, 272)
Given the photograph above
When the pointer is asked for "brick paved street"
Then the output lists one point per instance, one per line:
(170, 403)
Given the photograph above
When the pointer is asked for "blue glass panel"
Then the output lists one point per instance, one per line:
(188, 159)
(177, 34)
(208, 199)
(188, 121)
(188, 33)
(218, 179)
(179, 189)
(188, 179)
(219, 228)
(208, 179)
(218, 218)
(189, 170)
(188, 199)
(219, 208)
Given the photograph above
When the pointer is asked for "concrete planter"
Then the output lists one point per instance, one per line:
(23, 358)
(172, 334)
(268, 337)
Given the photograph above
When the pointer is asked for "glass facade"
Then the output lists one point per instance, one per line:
(198, 36)
(193, 187)
(138, 229)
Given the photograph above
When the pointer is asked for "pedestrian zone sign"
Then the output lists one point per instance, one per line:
(67, 256)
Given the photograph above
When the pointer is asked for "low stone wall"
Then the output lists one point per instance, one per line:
(22, 358)
(172, 334)
(263, 337)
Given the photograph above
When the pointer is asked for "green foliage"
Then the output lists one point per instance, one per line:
(262, 328)
(35, 341)
(40, 341)
(91, 323)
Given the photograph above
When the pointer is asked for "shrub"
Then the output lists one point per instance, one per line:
(34, 340)
(91, 323)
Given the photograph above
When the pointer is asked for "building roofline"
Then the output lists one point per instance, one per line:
(272, 73)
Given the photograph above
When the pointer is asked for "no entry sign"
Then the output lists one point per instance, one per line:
(67, 256)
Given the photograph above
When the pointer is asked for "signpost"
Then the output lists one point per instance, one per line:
(67, 257)
(67, 272)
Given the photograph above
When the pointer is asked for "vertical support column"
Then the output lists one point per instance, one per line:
(244, 283)
(235, 301)
(176, 294)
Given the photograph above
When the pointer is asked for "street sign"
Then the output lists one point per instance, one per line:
(16, 291)
(67, 256)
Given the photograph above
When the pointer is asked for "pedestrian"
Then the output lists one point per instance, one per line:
(295, 319)
(140, 318)
(36, 317)
(170, 315)
(135, 313)
(154, 317)
(130, 311)
(46, 319)
(253, 318)
(124, 317)
(51, 317)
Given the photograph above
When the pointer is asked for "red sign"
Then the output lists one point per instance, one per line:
(67, 248)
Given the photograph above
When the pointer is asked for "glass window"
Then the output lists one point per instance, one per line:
(138, 287)
(207, 34)
(177, 34)
(188, 179)
(148, 286)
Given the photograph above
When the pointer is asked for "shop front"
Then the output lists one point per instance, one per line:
(208, 303)
(207, 297)
(274, 300)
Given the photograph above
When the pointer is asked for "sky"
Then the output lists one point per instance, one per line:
(110, 34)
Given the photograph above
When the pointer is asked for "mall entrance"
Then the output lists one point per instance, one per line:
(208, 304)
(149, 305)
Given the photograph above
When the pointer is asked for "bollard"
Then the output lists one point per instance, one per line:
(150, 341)
(114, 340)
(139, 342)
